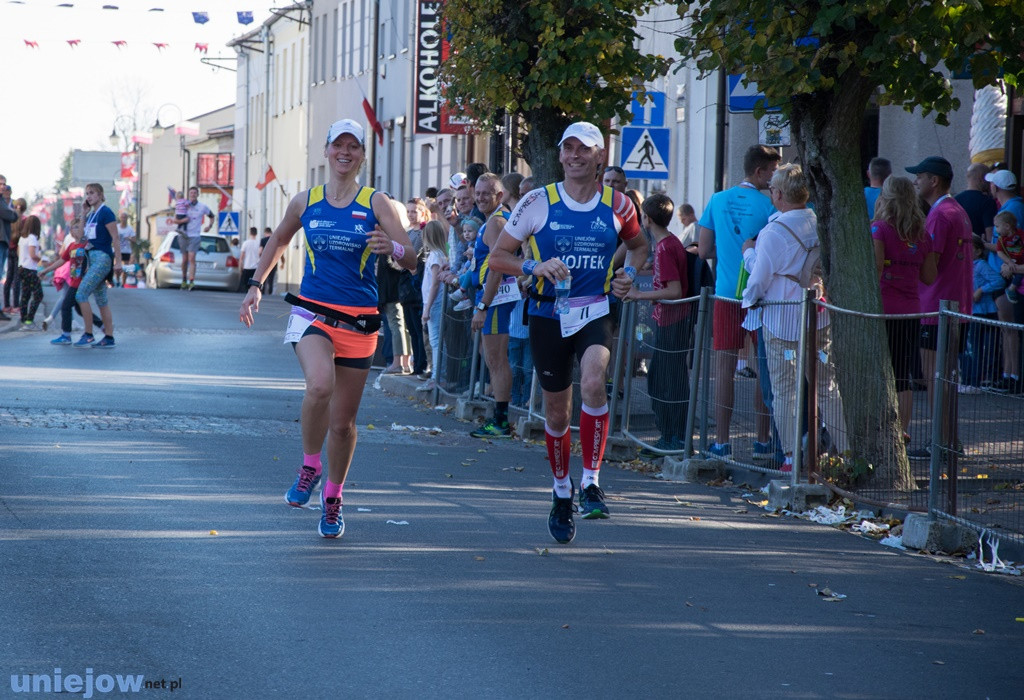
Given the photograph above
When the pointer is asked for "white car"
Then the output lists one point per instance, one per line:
(217, 265)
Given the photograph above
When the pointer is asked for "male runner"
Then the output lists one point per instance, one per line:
(572, 229)
(495, 298)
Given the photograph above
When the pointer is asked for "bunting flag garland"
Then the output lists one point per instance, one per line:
(73, 43)
(120, 43)
(31, 44)
(202, 48)
(201, 17)
(245, 17)
(160, 46)
(267, 179)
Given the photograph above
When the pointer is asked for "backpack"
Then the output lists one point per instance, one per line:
(810, 276)
(698, 275)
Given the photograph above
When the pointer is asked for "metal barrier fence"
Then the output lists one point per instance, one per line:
(977, 445)
(462, 372)
(873, 429)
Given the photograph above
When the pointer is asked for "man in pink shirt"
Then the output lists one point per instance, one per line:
(950, 231)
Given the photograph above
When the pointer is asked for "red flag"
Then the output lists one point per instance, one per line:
(128, 165)
(267, 179)
(371, 117)
(224, 200)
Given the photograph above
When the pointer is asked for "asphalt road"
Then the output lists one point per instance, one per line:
(116, 468)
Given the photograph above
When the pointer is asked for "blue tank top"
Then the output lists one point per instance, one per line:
(584, 240)
(482, 255)
(340, 267)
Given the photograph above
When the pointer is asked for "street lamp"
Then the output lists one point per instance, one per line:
(158, 130)
(119, 120)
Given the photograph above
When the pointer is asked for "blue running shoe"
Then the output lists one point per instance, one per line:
(307, 480)
(592, 503)
(85, 341)
(63, 339)
(717, 450)
(332, 524)
(560, 522)
(105, 344)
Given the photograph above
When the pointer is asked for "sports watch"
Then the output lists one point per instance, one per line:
(253, 282)
(480, 306)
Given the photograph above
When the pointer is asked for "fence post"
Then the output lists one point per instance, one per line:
(938, 389)
(627, 319)
(810, 455)
(436, 376)
(697, 363)
(950, 408)
(474, 358)
(801, 386)
(705, 381)
(618, 374)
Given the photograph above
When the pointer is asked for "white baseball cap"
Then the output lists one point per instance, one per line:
(588, 134)
(458, 180)
(1003, 179)
(345, 126)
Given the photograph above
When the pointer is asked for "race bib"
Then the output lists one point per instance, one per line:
(582, 310)
(299, 320)
(508, 292)
(90, 231)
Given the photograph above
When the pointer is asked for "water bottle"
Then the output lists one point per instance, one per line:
(562, 288)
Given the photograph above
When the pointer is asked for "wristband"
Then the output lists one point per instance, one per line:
(630, 272)
(397, 250)
(528, 266)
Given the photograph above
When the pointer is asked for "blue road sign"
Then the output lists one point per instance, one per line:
(742, 98)
(645, 152)
(649, 113)
(227, 223)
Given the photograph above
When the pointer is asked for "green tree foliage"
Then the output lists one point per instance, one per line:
(823, 61)
(64, 182)
(548, 62)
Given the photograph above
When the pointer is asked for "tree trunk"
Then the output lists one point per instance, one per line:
(828, 128)
(540, 145)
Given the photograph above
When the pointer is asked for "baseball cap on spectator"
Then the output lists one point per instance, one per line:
(458, 181)
(588, 134)
(1003, 179)
(933, 165)
(345, 126)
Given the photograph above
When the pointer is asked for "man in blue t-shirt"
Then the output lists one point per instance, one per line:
(731, 218)
(878, 170)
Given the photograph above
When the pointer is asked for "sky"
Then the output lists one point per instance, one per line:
(58, 97)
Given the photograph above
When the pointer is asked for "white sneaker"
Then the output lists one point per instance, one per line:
(462, 305)
(457, 295)
(426, 386)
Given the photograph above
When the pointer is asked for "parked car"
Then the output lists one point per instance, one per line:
(216, 264)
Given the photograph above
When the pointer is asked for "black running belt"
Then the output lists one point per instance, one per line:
(367, 324)
(539, 297)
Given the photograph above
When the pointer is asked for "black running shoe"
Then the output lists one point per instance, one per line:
(560, 522)
(592, 503)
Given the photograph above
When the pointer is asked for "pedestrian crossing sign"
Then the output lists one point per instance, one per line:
(227, 223)
(645, 152)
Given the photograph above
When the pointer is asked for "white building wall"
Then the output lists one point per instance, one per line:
(906, 138)
(340, 77)
(272, 125)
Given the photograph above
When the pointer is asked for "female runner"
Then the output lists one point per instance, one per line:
(346, 226)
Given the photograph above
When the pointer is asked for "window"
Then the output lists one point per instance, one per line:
(215, 169)
(334, 45)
